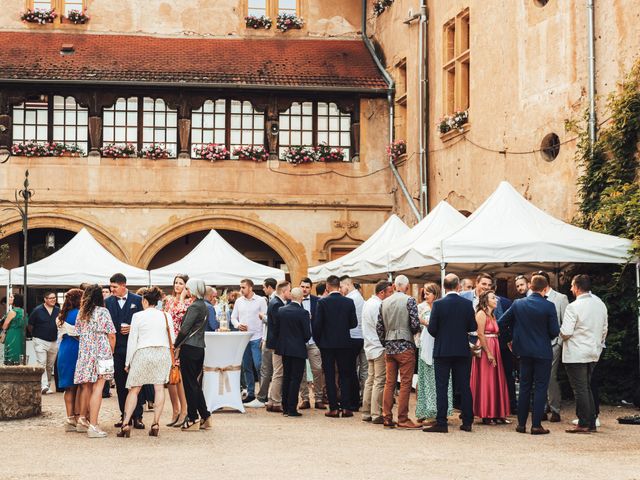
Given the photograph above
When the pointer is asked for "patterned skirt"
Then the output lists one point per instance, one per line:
(426, 405)
(149, 366)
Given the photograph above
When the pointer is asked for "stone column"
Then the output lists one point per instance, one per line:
(95, 135)
(5, 134)
(184, 129)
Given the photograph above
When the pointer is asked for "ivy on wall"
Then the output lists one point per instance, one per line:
(609, 192)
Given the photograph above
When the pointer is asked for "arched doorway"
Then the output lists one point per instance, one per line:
(42, 242)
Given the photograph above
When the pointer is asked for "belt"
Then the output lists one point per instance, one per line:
(491, 335)
(223, 380)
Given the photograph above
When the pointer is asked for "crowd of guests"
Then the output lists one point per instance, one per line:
(466, 344)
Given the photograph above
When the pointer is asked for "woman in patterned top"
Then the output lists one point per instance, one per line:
(97, 337)
(176, 306)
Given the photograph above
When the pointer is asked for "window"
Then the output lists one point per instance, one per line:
(456, 63)
(159, 125)
(42, 5)
(69, 5)
(63, 7)
(311, 124)
(120, 122)
(246, 126)
(272, 8)
(208, 124)
(257, 8)
(287, 6)
(31, 121)
(70, 122)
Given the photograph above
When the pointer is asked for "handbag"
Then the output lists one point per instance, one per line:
(174, 372)
(105, 366)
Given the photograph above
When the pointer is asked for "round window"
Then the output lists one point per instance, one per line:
(540, 3)
(550, 147)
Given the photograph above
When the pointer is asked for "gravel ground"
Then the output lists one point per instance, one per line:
(265, 445)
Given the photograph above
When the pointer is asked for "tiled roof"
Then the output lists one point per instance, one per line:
(252, 63)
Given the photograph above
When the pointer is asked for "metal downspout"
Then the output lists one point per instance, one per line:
(592, 73)
(424, 111)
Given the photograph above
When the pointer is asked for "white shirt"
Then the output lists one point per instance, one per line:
(370, 311)
(247, 310)
(561, 302)
(359, 301)
(123, 300)
(584, 329)
(148, 329)
(306, 304)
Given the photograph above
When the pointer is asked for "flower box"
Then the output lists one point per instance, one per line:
(251, 152)
(255, 22)
(326, 154)
(77, 17)
(53, 149)
(39, 16)
(379, 6)
(397, 149)
(456, 121)
(155, 152)
(298, 155)
(289, 21)
(118, 151)
(212, 152)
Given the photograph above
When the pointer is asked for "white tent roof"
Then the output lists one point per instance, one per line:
(83, 259)
(507, 229)
(390, 231)
(217, 263)
(4, 276)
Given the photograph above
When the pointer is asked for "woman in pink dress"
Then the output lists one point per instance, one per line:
(176, 305)
(488, 382)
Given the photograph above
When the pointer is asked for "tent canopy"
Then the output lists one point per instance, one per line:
(417, 252)
(83, 259)
(4, 276)
(508, 229)
(216, 262)
(389, 232)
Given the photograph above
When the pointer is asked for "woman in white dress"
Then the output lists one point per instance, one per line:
(148, 357)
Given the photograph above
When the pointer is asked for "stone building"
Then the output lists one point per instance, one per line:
(187, 74)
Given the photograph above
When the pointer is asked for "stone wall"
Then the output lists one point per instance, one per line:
(20, 395)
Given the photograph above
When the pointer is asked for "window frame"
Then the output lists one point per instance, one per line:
(58, 6)
(456, 62)
(272, 8)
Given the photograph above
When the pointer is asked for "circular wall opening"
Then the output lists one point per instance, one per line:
(550, 147)
(540, 3)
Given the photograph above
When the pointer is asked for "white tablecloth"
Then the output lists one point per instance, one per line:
(223, 350)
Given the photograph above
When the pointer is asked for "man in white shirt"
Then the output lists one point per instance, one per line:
(247, 315)
(309, 303)
(348, 289)
(584, 331)
(374, 351)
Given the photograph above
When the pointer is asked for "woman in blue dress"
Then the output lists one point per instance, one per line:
(67, 358)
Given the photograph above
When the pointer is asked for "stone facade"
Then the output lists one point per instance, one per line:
(20, 392)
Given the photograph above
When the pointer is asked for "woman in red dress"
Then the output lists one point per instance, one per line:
(488, 382)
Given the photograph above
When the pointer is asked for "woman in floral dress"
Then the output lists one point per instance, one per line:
(426, 407)
(176, 305)
(97, 337)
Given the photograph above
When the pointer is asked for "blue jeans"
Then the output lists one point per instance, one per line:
(252, 358)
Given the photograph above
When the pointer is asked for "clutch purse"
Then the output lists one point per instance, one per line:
(105, 366)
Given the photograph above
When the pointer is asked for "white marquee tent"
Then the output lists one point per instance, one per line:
(83, 259)
(4, 276)
(216, 262)
(389, 232)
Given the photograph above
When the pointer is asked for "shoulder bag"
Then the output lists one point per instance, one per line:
(174, 373)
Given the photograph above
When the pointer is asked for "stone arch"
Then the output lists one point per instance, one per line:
(291, 251)
(71, 223)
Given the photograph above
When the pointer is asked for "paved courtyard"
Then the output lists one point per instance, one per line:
(264, 445)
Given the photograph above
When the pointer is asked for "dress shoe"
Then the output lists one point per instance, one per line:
(365, 418)
(389, 424)
(137, 424)
(578, 429)
(409, 425)
(545, 417)
(436, 429)
(320, 406)
(118, 424)
(304, 405)
(465, 428)
(521, 429)
(294, 414)
(347, 414)
(332, 414)
(275, 409)
(539, 431)
(429, 423)
(377, 421)
(555, 417)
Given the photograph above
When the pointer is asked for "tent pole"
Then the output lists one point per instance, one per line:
(443, 273)
(638, 295)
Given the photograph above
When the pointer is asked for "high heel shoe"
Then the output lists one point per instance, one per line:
(189, 426)
(82, 425)
(70, 424)
(125, 431)
(173, 423)
(179, 423)
(206, 424)
(155, 429)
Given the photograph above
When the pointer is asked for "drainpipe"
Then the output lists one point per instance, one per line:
(390, 94)
(424, 111)
(592, 74)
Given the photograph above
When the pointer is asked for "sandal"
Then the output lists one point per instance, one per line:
(155, 429)
(190, 426)
(502, 421)
(175, 420)
(125, 431)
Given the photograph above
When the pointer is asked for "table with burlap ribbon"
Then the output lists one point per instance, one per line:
(223, 380)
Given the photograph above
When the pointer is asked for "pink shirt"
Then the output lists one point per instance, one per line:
(247, 311)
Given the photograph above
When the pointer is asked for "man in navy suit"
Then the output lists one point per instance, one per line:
(274, 392)
(294, 331)
(122, 304)
(452, 317)
(335, 316)
(310, 303)
(533, 322)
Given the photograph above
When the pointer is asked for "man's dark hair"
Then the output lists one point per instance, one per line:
(484, 275)
(334, 281)
(47, 293)
(451, 282)
(539, 283)
(382, 285)
(357, 286)
(247, 281)
(307, 280)
(321, 287)
(343, 277)
(544, 274)
(582, 282)
(118, 278)
(270, 282)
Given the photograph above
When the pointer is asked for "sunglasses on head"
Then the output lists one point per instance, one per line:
(520, 277)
